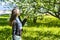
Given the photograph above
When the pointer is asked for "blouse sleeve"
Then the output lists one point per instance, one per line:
(23, 22)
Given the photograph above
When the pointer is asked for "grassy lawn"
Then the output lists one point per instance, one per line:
(46, 29)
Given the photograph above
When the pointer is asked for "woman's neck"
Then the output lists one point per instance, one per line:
(16, 16)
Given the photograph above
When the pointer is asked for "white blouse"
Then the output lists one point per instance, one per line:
(19, 23)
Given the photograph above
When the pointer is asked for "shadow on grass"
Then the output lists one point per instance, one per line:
(53, 23)
(3, 22)
(4, 15)
(49, 24)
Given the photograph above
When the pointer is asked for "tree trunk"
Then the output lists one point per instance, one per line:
(34, 19)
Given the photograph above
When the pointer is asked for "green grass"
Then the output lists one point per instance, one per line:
(46, 29)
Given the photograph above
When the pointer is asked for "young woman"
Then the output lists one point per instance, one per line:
(16, 24)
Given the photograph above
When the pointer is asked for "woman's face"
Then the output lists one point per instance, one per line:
(17, 12)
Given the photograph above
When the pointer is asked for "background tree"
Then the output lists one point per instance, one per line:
(34, 8)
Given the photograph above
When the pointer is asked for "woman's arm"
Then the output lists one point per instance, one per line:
(24, 21)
